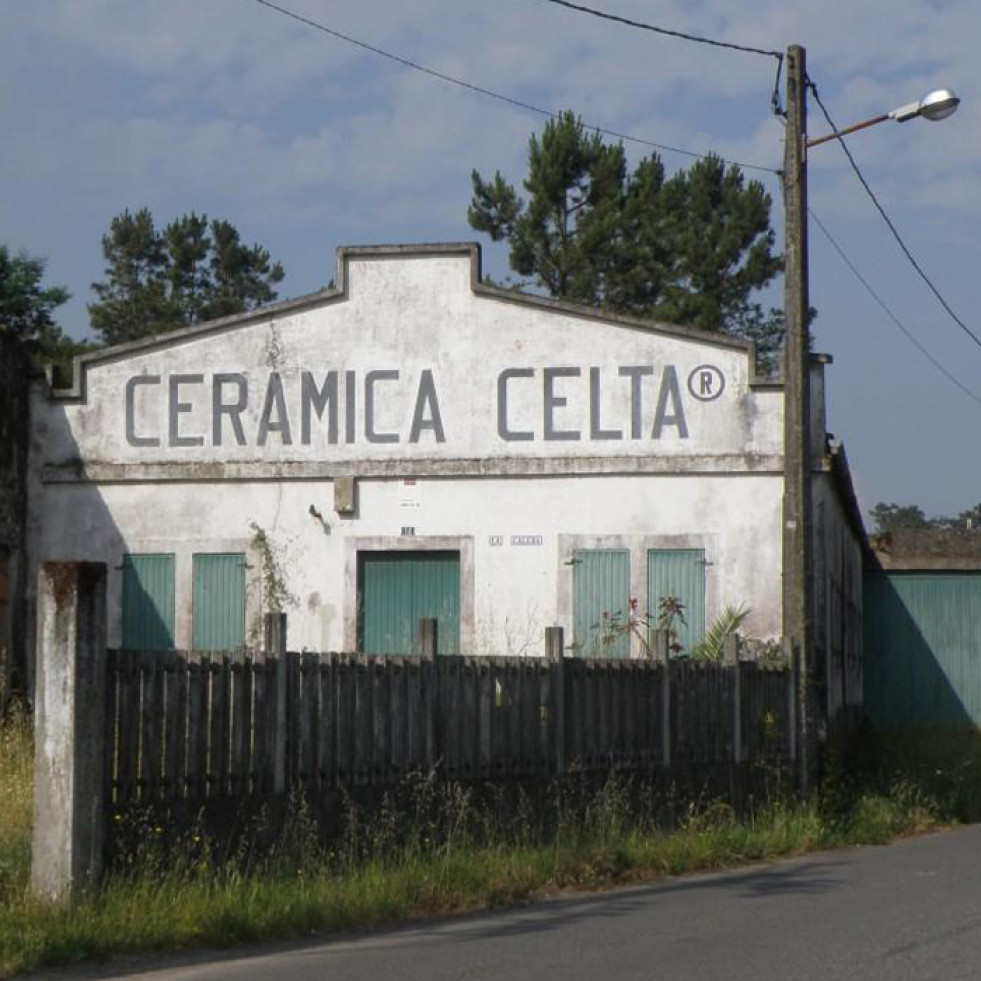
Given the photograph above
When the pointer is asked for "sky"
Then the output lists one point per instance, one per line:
(306, 143)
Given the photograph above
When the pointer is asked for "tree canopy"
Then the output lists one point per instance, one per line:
(890, 517)
(191, 271)
(27, 308)
(26, 305)
(690, 249)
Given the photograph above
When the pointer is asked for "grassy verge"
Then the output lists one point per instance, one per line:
(299, 889)
(942, 765)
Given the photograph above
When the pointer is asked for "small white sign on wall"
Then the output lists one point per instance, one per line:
(410, 493)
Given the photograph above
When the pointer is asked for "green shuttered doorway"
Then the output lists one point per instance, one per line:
(601, 585)
(679, 572)
(397, 589)
(148, 602)
(219, 602)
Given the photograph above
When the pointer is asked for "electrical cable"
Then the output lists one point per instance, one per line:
(889, 313)
(892, 228)
(663, 30)
(518, 103)
(778, 109)
(489, 93)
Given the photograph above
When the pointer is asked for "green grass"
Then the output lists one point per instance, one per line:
(16, 798)
(469, 859)
(942, 765)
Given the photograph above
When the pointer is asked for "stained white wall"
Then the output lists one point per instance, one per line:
(517, 589)
(676, 446)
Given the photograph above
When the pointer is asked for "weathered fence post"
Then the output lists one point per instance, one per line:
(555, 652)
(661, 655)
(69, 721)
(730, 657)
(428, 639)
(275, 644)
(792, 694)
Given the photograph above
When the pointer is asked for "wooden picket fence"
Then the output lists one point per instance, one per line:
(194, 727)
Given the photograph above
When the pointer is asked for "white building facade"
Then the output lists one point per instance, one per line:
(416, 443)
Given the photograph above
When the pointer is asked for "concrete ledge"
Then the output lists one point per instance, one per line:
(108, 473)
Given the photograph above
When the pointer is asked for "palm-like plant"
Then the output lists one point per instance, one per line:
(711, 646)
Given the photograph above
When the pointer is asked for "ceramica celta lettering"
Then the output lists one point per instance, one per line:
(287, 413)
(550, 404)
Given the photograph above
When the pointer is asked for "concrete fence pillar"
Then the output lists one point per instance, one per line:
(793, 694)
(274, 636)
(730, 657)
(555, 652)
(69, 724)
(661, 652)
(427, 633)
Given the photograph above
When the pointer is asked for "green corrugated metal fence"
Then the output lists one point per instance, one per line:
(397, 589)
(923, 648)
(679, 572)
(219, 602)
(148, 602)
(601, 585)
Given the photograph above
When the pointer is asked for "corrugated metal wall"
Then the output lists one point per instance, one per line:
(219, 602)
(148, 602)
(397, 589)
(923, 648)
(601, 584)
(679, 572)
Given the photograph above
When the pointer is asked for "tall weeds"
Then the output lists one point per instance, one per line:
(16, 799)
(428, 847)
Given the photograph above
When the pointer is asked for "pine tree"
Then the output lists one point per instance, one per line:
(27, 310)
(26, 306)
(690, 249)
(192, 271)
(134, 299)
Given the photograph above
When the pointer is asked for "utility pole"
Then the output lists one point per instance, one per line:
(797, 545)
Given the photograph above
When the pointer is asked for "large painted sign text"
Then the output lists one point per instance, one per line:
(560, 403)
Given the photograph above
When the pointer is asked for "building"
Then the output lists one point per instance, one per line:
(922, 645)
(417, 443)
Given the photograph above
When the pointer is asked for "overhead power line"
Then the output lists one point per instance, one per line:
(491, 94)
(890, 314)
(602, 14)
(681, 35)
(520, 104)
(885, 217)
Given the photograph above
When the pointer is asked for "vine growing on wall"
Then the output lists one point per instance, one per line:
(275, 592)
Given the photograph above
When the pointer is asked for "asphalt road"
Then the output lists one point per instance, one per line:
(910, 910)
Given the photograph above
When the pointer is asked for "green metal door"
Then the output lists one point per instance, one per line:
(397, 589)
(219, 601)
(601, 602)
(148, 602)
(679, 572)
(923, 648)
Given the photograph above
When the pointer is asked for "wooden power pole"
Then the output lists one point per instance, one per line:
(797, 543)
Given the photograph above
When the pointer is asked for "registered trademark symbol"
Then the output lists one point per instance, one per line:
(706, 383)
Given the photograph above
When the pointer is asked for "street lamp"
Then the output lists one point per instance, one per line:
(798, 571)
(935, 105)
